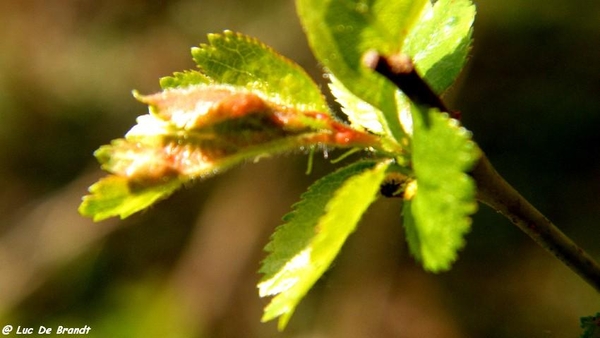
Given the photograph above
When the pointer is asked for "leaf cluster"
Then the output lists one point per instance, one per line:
(245, 101)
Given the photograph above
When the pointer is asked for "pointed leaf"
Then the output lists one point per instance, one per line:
(117, 196)
(360, 113)
(303, 248)
(440, 41)
(340, 32)
(298, 229)
(437, 216)
(236, 59)
(199, 130)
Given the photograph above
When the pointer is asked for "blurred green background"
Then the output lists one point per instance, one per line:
(187, 267)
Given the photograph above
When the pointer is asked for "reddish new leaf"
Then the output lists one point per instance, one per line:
(200, 130)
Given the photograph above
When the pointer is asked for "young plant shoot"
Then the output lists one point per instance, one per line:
(389, 63)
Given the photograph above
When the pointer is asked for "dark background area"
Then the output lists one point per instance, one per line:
(187, 266)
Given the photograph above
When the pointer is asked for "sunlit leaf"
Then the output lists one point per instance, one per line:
(117, 196)
(440, 41)
(436, 214)
(360, 113)
(302, 249)
(236, 59)
(200, 130)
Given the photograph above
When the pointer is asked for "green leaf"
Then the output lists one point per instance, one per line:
(437, 216)
(591, 326)
(117, 196)
(361, 114)
(440, 41)
(184, 79)
(302, 249)
(236, 59)
(364, 116)
(340, 32)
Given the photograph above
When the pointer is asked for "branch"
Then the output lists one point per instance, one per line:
(401, 71)
(492, 189)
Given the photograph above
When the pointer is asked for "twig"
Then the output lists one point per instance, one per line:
(401, 71)
(493, 190)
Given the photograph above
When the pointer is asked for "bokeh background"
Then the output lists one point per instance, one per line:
(187, 267)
